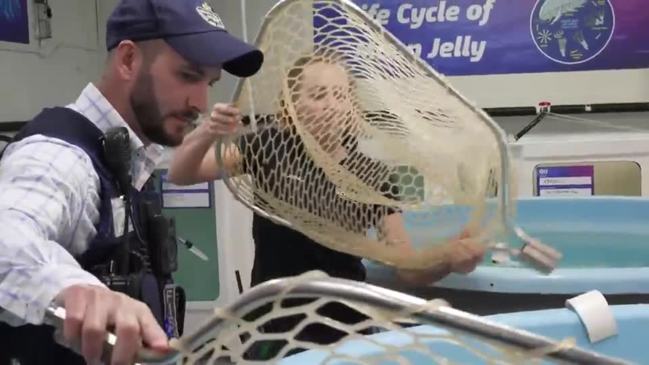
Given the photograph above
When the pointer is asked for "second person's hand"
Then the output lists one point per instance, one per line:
(223, 120)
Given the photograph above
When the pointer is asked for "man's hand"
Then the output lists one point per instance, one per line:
(224, 120)
(90, 310)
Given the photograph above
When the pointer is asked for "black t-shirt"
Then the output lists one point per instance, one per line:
(281, 251)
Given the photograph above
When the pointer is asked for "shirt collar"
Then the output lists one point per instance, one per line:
(92, 104)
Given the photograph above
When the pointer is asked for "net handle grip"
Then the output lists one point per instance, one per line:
(55, 316)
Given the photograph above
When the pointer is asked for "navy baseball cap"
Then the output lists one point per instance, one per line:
(190, 27)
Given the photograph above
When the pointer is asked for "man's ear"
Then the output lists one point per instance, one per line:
(128, 60)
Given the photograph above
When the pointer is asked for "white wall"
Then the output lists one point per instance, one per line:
(53, 72)
(560, 88)
(230, 12)
(576, 149)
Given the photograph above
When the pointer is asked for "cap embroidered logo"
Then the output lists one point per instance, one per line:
(206, 12)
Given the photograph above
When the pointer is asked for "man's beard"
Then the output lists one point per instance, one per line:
(148, 114)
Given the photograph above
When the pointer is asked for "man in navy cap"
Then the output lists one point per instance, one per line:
(62, 205)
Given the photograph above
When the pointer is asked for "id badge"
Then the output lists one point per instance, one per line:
(119, 213)
(170, 311)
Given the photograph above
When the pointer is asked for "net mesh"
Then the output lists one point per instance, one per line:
(345, 127)
(285, 329)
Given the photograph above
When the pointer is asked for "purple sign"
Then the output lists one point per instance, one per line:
(471, 37)
(14, 22)
(565, 180)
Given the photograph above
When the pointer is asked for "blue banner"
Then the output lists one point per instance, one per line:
(471, 37)
(14, 22)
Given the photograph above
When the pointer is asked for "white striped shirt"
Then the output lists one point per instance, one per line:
(49, 205)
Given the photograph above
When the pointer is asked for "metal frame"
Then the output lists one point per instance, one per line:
(365, 294)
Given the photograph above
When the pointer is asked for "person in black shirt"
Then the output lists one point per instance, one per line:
(321, 97)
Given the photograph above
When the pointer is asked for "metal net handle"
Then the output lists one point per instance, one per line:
(368, 295)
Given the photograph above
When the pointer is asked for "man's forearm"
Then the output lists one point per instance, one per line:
(45, 187)
(34, 270)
